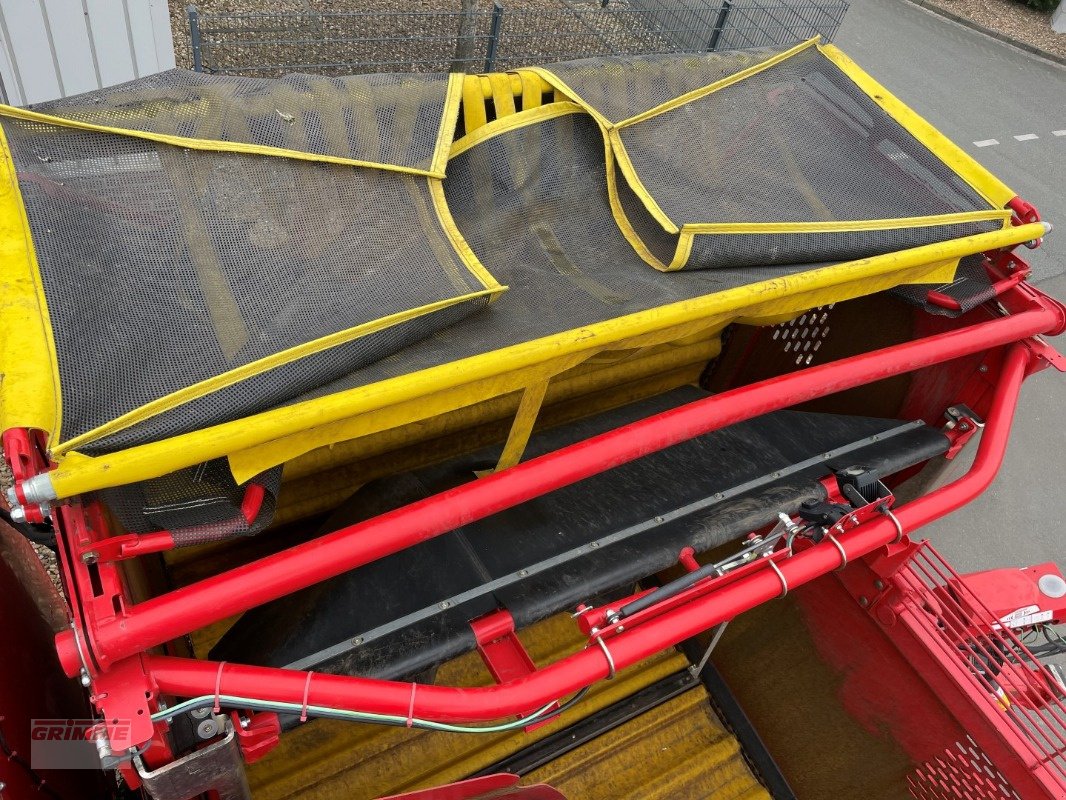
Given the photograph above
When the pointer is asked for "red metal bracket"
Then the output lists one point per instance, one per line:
(1019, 598)
(119, 548)
(257, 734)
(1046, 355)
(502, 652)
(962, 424)
(997, 289)
(25, 453)
(498, 644)
(1024, 214)
(1024, 211)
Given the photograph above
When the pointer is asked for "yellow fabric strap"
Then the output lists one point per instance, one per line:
(212, 145)
(449, 119)
(843, 226)
(983, 182)
(533, 88)
(522, 427)
(711, 88)
(502, 94)
(474, 114)
(512, 122)
(637, 185)
(561, 85)
(29, 370)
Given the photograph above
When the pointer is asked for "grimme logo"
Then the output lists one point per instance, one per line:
(67, 743)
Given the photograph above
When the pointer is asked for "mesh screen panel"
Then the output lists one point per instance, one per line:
(164, 267)
(797, 142)
(619, 88)
(388, 119)
(197, 504)
(543, 226)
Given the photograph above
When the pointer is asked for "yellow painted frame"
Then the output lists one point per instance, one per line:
(30, 396)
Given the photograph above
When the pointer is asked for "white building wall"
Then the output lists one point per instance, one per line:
(56, 48)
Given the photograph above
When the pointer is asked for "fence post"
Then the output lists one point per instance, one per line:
(494, 35)
(194, 37)
(719, 25)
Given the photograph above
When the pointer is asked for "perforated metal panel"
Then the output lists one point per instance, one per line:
(803, 336)
(963, 772)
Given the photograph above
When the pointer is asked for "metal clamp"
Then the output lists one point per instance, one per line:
(840, 549)
(607, 654)
(781, 577)
(895, 521)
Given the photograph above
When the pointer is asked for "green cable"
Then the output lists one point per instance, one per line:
(544, 713)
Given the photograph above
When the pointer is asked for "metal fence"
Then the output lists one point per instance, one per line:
(495, 38)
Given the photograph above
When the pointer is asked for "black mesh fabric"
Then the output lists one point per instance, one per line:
(164, 267)
(545, 229)
(797, 142)
(744, 249)
(197, 504)
(970, 288)
(620, 88)
(390, 118)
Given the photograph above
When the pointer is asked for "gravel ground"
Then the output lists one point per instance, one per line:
(1011, 18)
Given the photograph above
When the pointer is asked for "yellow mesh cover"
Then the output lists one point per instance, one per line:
(274, 287)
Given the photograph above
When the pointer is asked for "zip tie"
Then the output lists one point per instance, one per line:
(840, 549)
(307, 693)
(218, 687)
(608, 656)
(780, 577)
(895, 521)
(411, 706)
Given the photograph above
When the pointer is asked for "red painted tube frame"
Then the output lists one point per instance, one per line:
(190, 677)
(176, 613)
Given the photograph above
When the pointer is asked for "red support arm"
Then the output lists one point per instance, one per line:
(176, 613)
(190, 678)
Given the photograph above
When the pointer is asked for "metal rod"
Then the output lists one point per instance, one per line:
(176, 613)
(187, 677)
(194, 37)
(719, 25)
(494, 35)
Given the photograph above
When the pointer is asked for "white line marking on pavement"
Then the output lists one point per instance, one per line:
(986, 142)
(1025, 137)
(1058, 133)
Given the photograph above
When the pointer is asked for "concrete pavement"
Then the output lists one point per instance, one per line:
(975, 88)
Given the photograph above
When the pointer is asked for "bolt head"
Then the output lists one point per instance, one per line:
(864, 601)
(18, 514)
(207, 729)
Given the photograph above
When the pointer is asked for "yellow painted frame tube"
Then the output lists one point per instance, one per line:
(993, 190)
(29, 368)
(78, 473)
